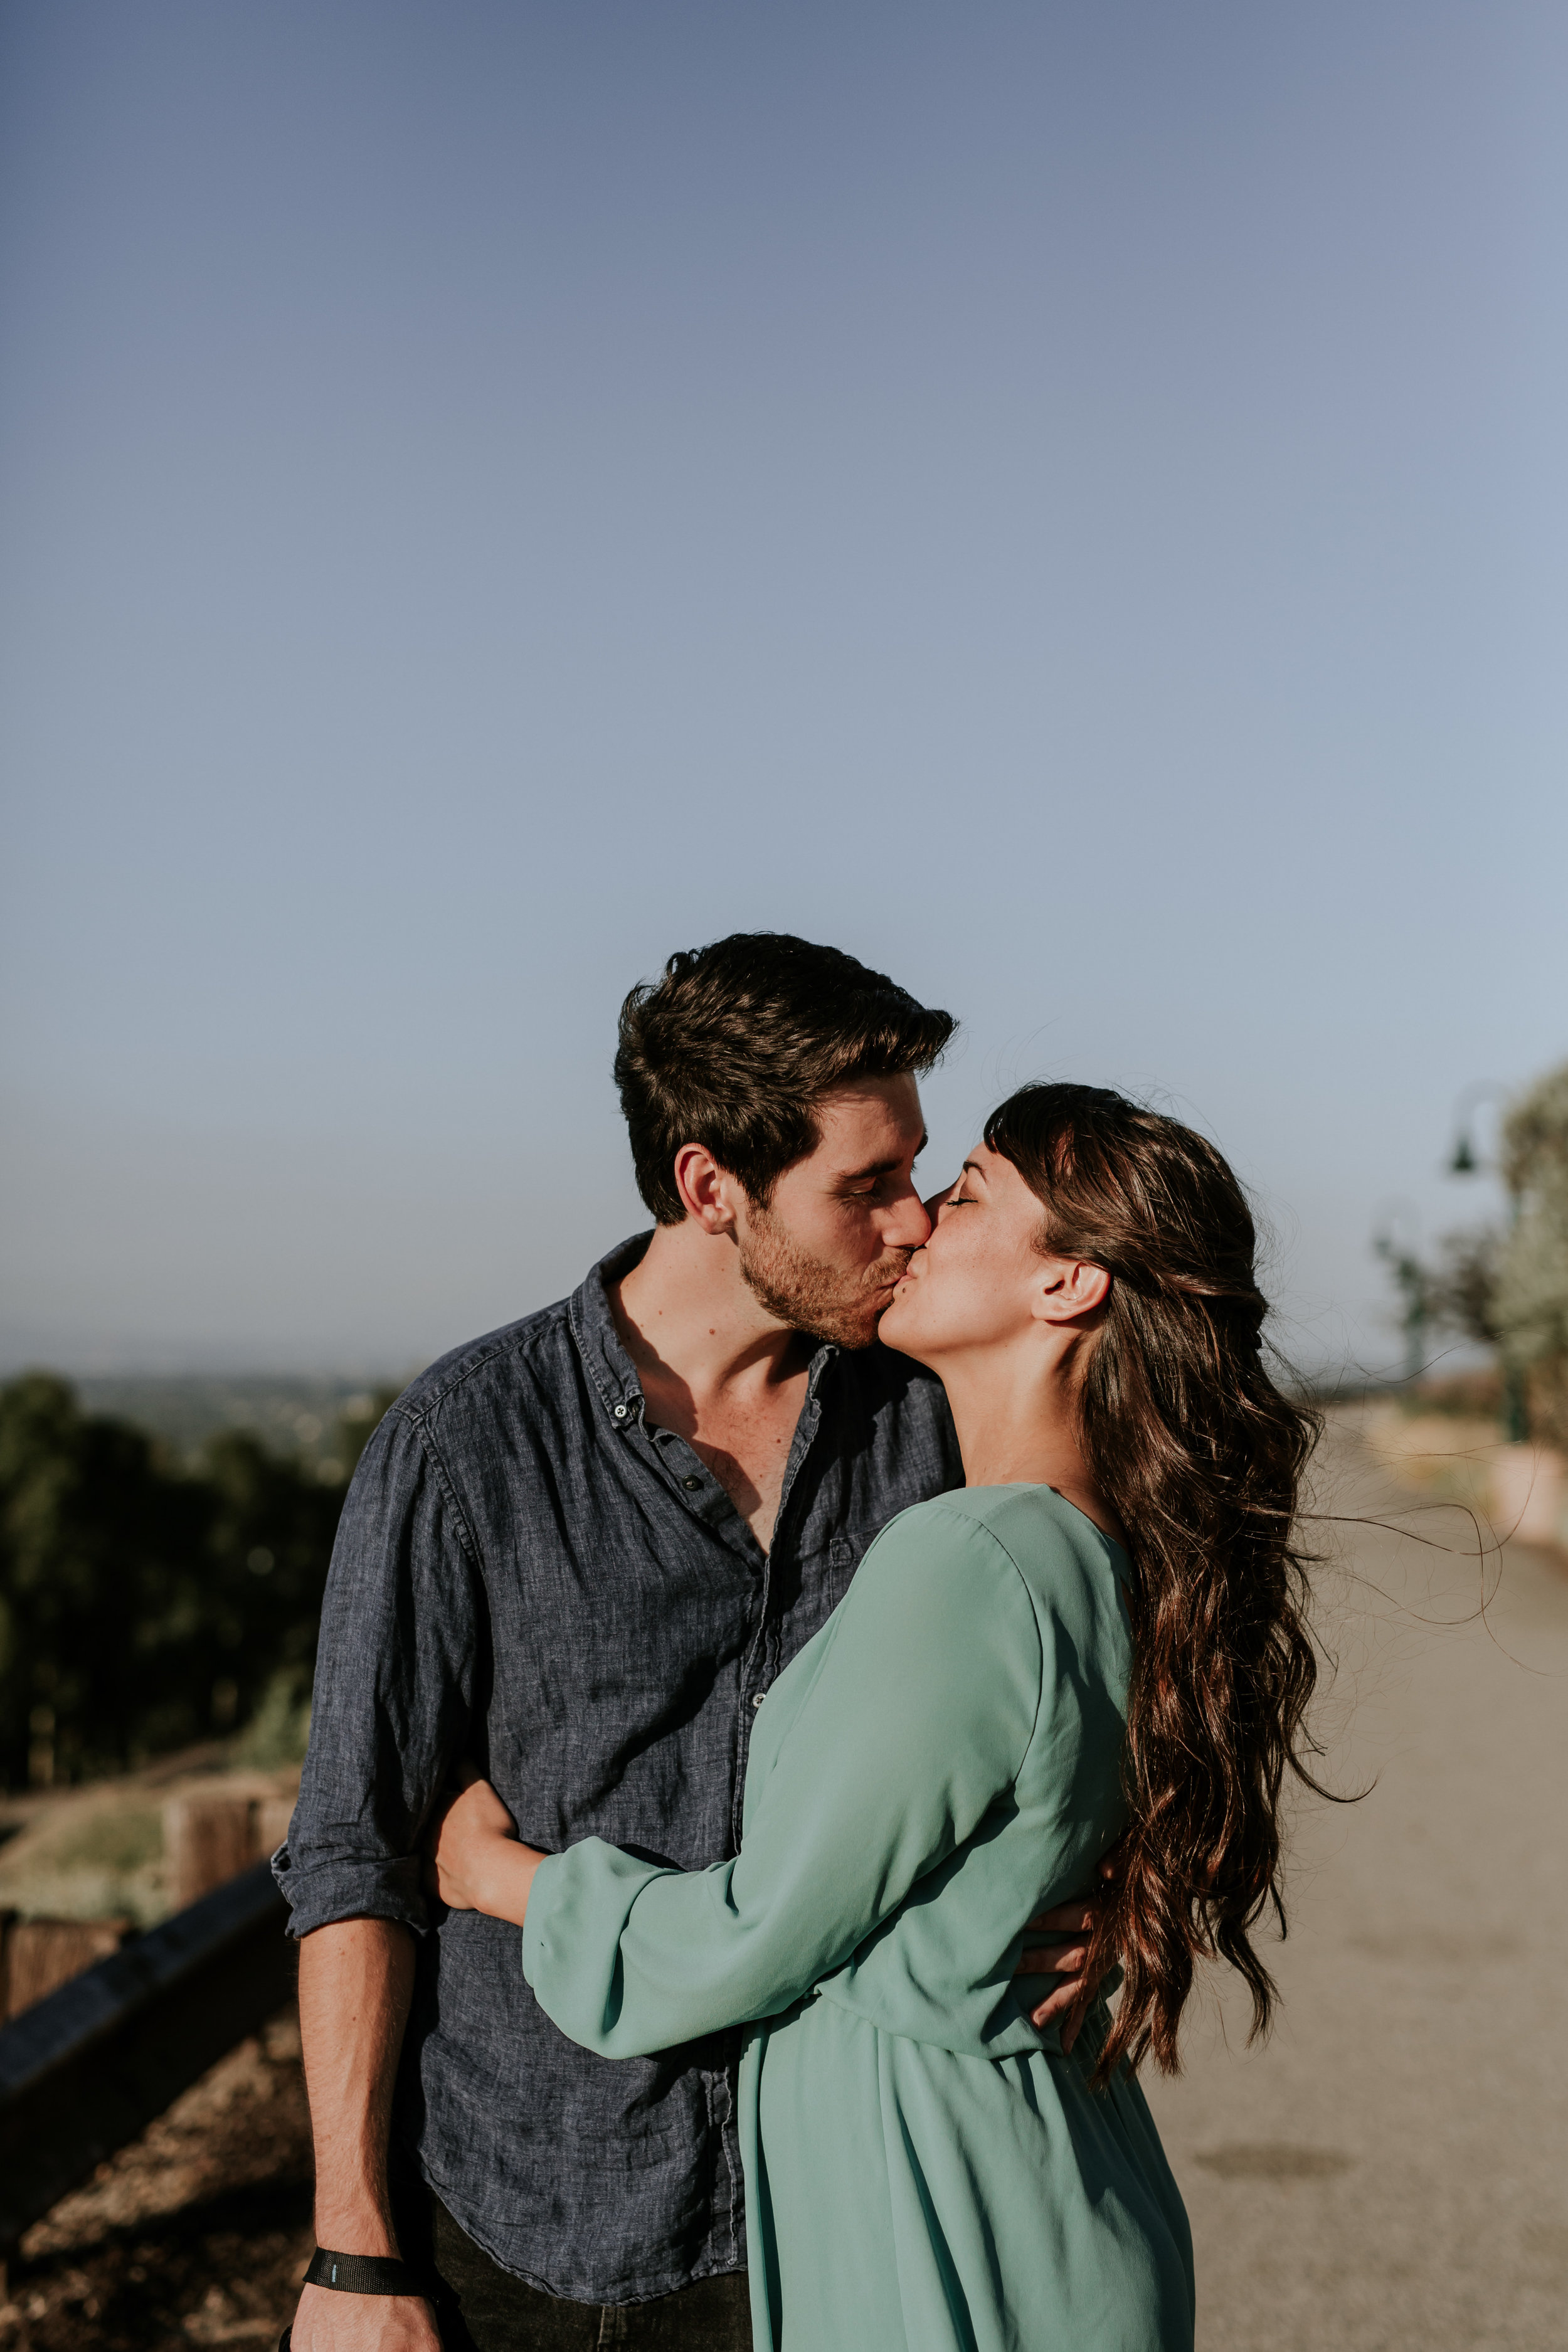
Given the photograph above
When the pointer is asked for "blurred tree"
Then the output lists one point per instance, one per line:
(1531, 1298)
(1414, 1281)
(143, 1606)
(1462, 1285)
(99, 1585)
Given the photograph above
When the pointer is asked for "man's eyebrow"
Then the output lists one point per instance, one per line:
(882, 1166)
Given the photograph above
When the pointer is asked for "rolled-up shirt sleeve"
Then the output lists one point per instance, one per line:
(397, 1672)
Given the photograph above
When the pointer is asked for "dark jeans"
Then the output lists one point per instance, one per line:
(482, 2308)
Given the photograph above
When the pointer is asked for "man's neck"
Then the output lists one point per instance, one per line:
(685, 1313)
(714, 1365)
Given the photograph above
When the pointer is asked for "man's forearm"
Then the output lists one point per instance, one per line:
(356, 1979)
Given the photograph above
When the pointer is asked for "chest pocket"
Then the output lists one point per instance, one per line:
(841, 1560)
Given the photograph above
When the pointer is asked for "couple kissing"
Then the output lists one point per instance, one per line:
(766, 1701)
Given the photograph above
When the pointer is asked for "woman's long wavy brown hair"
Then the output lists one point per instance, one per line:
(1201, 1456)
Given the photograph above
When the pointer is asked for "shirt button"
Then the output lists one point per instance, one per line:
(758, 1698)
(620, 1413)
(691, 1484)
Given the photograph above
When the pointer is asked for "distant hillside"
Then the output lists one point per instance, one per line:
(289, 1416)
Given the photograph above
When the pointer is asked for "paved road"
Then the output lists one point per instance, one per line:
(1390, 2174)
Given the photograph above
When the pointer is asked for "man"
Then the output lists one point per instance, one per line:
(579, 1551)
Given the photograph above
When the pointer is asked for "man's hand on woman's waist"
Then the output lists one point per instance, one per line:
(1059, 1945)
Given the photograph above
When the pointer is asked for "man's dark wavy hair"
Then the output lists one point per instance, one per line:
(1201, 1455)
(736, 1046)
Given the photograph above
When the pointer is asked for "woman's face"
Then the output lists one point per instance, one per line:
(975, 1282)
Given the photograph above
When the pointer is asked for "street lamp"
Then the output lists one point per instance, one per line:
(1467, 1161)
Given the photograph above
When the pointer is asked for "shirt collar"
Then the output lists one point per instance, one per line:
(609, 1366)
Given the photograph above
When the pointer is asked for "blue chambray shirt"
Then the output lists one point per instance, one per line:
(528, 1574)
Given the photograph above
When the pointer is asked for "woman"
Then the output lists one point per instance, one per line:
(1099, 1636)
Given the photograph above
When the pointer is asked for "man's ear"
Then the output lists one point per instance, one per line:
(704, 1188)
(1069, 1290)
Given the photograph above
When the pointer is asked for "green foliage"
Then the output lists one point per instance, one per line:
(1530, 1303)
(1462, 1286)
(278, 1731)
(121, 1838)
(143, 1607)
(1509, 1289)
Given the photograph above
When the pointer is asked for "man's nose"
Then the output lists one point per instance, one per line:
(909, 1226)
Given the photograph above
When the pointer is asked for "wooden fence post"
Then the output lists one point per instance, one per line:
(211, 1835)
(37, 1955)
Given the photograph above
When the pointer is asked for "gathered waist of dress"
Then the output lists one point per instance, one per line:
(969, 2028)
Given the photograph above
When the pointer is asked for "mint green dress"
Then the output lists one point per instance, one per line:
(925, 2172)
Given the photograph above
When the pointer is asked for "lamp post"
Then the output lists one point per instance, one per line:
(1465, 1159)
(1468, 1161)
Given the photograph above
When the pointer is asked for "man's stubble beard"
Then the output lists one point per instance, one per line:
(808, 1292)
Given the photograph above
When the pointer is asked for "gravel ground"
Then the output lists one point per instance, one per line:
(1389, 2174)
(197, 2234)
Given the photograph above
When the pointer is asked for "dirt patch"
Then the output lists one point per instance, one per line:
(1273, 2160)
(197, 2233)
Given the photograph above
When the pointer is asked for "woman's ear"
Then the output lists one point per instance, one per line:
(1069, 1290)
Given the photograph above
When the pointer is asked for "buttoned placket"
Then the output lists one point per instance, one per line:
(676, 1461)
(760, 1666)
(702, 1493)
(698, 1491)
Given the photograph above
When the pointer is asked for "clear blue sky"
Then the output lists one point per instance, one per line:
(1068, 502)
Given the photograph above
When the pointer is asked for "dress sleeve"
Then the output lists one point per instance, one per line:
(925, 1691)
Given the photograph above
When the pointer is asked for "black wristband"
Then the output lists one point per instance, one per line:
(360, 2274)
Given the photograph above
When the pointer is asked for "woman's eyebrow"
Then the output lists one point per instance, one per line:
(975, 1166)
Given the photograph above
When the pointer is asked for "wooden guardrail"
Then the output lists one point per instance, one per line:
(37, 1955)
(86, 2069)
